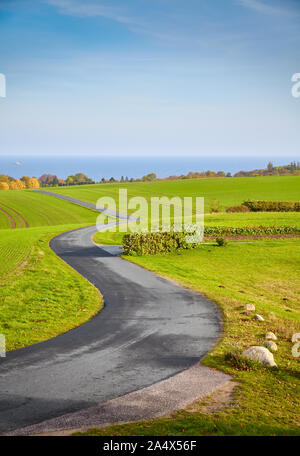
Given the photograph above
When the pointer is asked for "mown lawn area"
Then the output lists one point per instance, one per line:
(264, 273)
(40, 295)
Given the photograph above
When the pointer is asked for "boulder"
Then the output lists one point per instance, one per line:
(249, 307)
(259, 317)
(271, 345)
(261, 355)
(270, 336)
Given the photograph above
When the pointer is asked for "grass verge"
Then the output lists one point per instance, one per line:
(40, 295)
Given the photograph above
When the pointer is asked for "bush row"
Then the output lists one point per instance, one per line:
(250, 230)
(273, 206)
(164, 242)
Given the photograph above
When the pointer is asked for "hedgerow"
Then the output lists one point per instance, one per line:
(273, 206)
(249, 230)
(168, 242)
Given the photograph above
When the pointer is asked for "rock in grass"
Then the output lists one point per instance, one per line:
(270, 336)
(296, 338)
(259, 317)
(271, 345)
(249, 307)
(261, 355)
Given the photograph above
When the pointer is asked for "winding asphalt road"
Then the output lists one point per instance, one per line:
(149, 329)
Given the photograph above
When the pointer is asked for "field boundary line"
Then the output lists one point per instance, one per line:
(12, 220)
(18, 214)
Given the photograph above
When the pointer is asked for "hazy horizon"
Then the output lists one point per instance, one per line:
(132, 166)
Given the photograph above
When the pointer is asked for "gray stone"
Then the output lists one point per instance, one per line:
(270, 336)
(261, 355)
(271, 345)
(259, 317)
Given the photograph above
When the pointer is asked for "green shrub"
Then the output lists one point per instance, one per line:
(215, 206)
(155, 243)
(241, 208)
(273, 206)
(221, 242)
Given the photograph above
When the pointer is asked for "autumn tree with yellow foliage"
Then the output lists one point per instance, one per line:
(16, 184)
(4, 185)
(30, 182)
(9, 183)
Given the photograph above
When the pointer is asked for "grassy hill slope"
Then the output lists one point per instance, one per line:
(228, 191)
(21, 208)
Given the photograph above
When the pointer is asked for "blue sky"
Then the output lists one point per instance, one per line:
(193, 77)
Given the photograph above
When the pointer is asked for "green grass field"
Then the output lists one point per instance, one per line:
(228, 191)
(40, 295)
(15, 248)
(36, 209)
(266, 401)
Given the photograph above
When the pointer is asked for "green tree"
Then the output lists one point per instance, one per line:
(149, 177)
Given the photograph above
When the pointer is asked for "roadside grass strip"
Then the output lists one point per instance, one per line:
(40, 295)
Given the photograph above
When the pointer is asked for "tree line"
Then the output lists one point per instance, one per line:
(292, 169)
(51, 180)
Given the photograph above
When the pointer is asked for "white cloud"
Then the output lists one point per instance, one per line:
(88, 9)
(266, 8)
